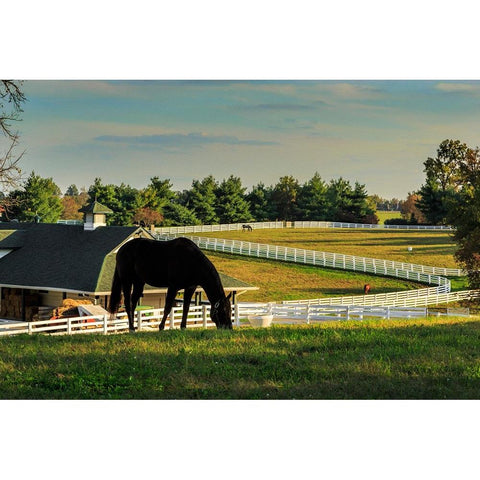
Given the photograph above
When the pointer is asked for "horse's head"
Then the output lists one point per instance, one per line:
(221, 313)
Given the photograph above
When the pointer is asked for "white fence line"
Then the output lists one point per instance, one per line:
(314, 224)
(149, 320)
(198, 317)
(226, 227)
(414, 272)
(408, 271)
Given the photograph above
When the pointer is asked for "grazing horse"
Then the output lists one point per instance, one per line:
(177, 264)
(366, 288)
(247, 227)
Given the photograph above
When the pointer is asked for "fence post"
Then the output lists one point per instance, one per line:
(139, 320)
(172, 318)
(69, 326)
(347, 313)
(237, 315)
(105, 324)
(30, 328)
(204, 316)
(308, 314)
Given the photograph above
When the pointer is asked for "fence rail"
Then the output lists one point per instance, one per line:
(226, 227)
(198, 317)
(419, 273)
(314, 224)
(410, 271)
(149, 320)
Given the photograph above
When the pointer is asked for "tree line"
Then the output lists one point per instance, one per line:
(207, 201)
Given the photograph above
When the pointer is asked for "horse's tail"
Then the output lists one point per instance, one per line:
(116, 293)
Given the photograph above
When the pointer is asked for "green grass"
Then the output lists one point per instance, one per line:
(421, 359)
(279, 281)
(385, 215)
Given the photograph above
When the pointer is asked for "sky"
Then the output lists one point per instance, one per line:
(378, 133)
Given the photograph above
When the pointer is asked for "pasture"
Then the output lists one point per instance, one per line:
(387, 215)
(395, 359)
(279, 281)
(283, 281)
(434, 248)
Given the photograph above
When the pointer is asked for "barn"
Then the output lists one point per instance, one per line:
(41, 265)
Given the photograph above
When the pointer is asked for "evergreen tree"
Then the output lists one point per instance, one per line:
(231, 205)
(202, 200)
(177, 214)
(261, 203)
(312, 199)
(285, 197)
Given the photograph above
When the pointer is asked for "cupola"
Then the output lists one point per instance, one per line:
(94, 215)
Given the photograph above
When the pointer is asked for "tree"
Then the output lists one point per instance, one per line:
(443, 180)
(39, 199)
(464, 215)
(146, 216)
(202, 200)
(285, 197)
(231, 205)
(72, 202)
(312, 199)
(261, 203)
(11, 99)
(410, 210)
(177, 214)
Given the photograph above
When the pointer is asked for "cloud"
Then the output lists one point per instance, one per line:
(456, 87)
(180, 140)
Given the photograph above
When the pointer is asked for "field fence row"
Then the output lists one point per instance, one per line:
(418, 273)
(227, 227)
(199, 317)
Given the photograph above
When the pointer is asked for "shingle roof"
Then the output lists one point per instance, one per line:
(95, 207)
(66, 257)
(57, 256)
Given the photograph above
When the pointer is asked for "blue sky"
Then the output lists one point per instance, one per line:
(376, 132)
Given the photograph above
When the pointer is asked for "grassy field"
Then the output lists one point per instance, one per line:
(384, 215)
(395, 359)
(283, 281)
(279, 281)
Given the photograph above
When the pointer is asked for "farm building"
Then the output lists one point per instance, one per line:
(41, 265)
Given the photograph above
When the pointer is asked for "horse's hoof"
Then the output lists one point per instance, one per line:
(160, 328)
(131, 330)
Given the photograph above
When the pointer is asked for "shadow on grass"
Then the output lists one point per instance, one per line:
(345, 361)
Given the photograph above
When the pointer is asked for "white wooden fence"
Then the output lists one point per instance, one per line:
(226, 227)
(198, 317)
(314, 224)
(149, 320)
(408, 271)
(419, 273)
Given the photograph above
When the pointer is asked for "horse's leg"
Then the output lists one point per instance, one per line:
(171, 293)
(187, 298)
(136, 294)
(127, 296)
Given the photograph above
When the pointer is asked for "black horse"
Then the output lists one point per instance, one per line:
(177, 264)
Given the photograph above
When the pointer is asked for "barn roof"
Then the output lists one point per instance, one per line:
(67, 257)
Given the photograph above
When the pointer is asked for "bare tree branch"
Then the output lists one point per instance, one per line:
(11, 99)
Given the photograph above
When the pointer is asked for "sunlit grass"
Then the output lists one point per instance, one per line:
(279, 281)
(395, 359)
